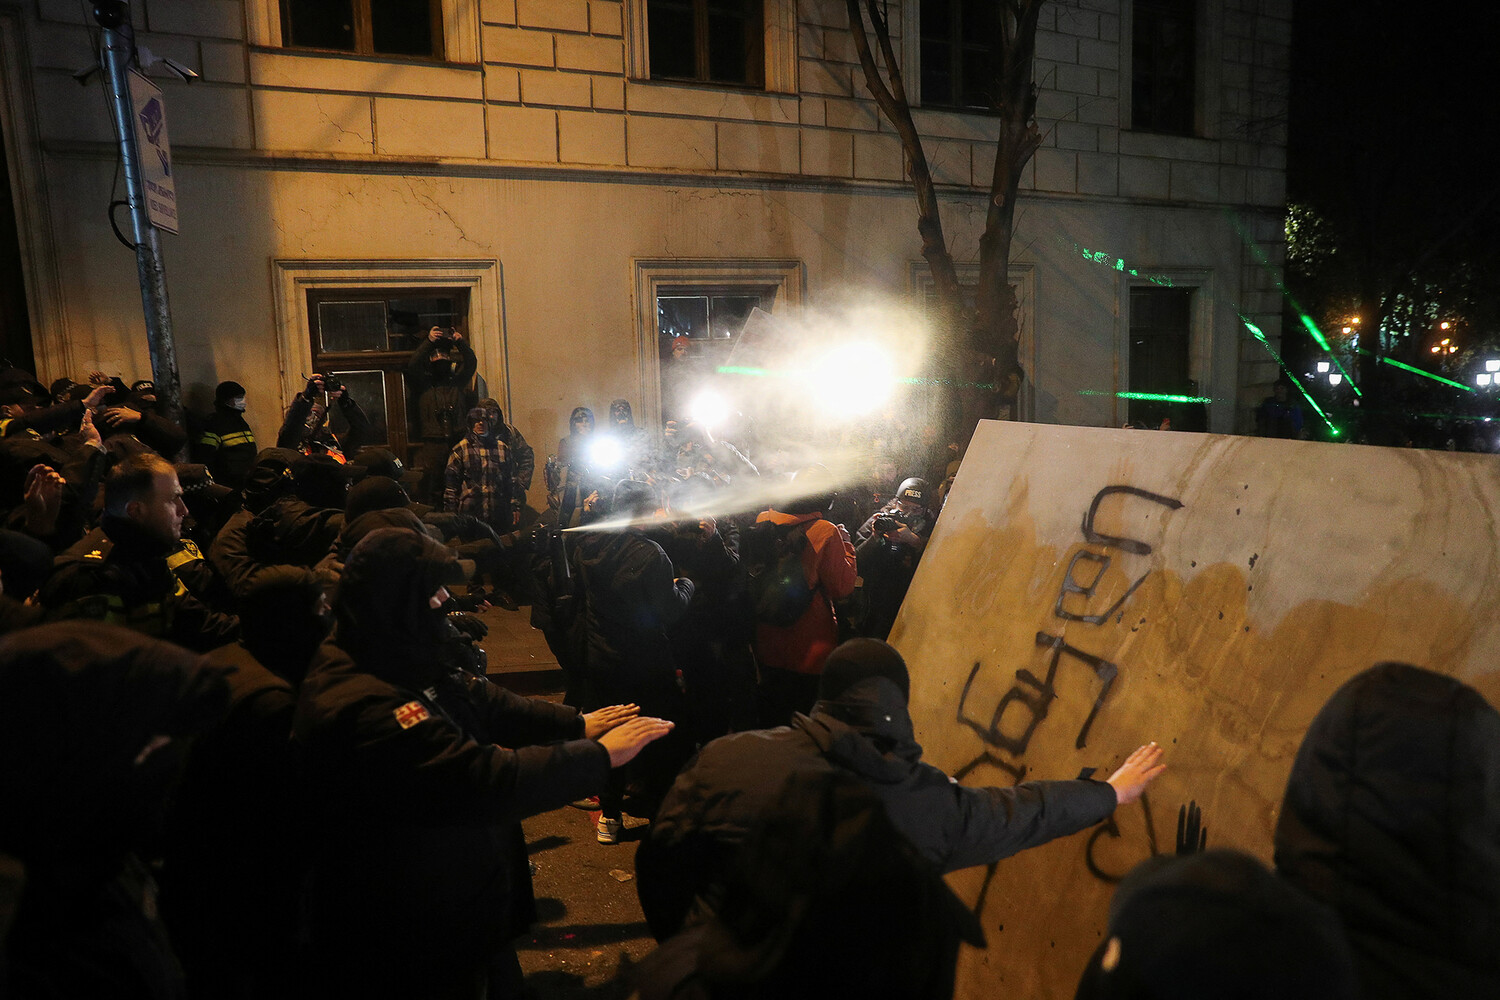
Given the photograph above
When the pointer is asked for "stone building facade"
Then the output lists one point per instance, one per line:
(537, 179)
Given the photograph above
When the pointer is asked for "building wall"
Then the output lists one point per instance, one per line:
(542, 151)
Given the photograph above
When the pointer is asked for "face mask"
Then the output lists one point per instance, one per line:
(237, 403)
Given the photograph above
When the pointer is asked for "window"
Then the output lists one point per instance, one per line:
(1160, 339)
(707, 41)
(957, 52)
(1163, 67)
(366, 337)
(368, 27)
(709, 302)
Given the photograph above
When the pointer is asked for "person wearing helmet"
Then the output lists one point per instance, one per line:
(889, 546)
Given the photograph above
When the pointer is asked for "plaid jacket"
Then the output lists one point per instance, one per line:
(478, 480)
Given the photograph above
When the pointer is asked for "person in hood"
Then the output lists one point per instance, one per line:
(85, 773)
(1392, 818)
(569, 473)
(441, 376)
(522, 456)
(227, 444)
(132, 583)
(860, 726)
(420, 774)
(231, 869)
(479, 479)
(1216, 924)
(826, 899)
(635, 442)
(632, 596)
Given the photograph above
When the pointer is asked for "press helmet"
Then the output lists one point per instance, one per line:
(913, 489)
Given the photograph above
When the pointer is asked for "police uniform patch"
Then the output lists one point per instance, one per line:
(411, 713)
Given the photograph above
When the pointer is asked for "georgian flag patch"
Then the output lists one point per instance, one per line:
(411, 713)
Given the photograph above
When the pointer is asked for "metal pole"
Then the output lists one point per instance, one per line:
(118, 53)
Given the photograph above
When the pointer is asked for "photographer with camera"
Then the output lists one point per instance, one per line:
(890, 545)
(306, 429)
(441, 375)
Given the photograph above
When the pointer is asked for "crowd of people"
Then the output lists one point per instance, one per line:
(253, 750)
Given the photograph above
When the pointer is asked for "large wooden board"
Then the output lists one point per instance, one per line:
(1086, 591)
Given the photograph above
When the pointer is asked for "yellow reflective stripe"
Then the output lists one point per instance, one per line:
(210, 438)
(182, 558)
(238, 437)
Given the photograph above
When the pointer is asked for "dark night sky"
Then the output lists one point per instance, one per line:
(1408, 87)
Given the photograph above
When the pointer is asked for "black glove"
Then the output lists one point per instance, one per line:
(472, 627)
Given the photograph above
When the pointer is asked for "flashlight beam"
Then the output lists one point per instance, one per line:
(1260, 336)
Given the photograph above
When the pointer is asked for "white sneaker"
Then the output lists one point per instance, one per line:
(609, 830)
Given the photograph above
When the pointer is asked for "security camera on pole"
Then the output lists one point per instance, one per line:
(139, 116)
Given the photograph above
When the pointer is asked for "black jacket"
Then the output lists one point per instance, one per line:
(232, 871)
(226, 445)
(632, 598)
(1392, 818)
(419, 794)
(82, 801)
(132, 584)
(294, 432)
(868, 733)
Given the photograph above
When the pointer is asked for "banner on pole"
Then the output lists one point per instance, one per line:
(154, 152)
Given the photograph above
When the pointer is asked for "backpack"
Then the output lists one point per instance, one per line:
(772, 556)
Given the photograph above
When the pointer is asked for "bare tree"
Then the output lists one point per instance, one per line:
(991, 336)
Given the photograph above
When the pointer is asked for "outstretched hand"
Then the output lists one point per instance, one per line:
(1139, 770)
(602, 720)
(628, 738)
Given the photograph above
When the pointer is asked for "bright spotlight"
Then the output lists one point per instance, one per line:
(854, 380)
(1483, 378)
(709, 408)
(1323, 367)
(1492, 366)
(1334, 378)
(605, 452)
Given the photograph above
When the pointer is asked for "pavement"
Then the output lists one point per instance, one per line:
(589, 927)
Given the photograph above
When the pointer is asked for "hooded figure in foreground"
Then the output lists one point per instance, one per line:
(419, 872)
(1392, 818)
(861, 727)
(91, 747)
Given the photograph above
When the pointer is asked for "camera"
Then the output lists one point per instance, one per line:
(885, 524)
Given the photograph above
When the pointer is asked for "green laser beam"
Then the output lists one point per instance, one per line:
(1294, 380)
(1155, 397)
(1417, 371)
(1307, 321)
(1317, 335)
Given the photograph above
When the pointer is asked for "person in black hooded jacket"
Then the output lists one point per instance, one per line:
(1392, 818)
(232, 868)
(84, 774)
(420, 774)
(860, 726)
(631, 597)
